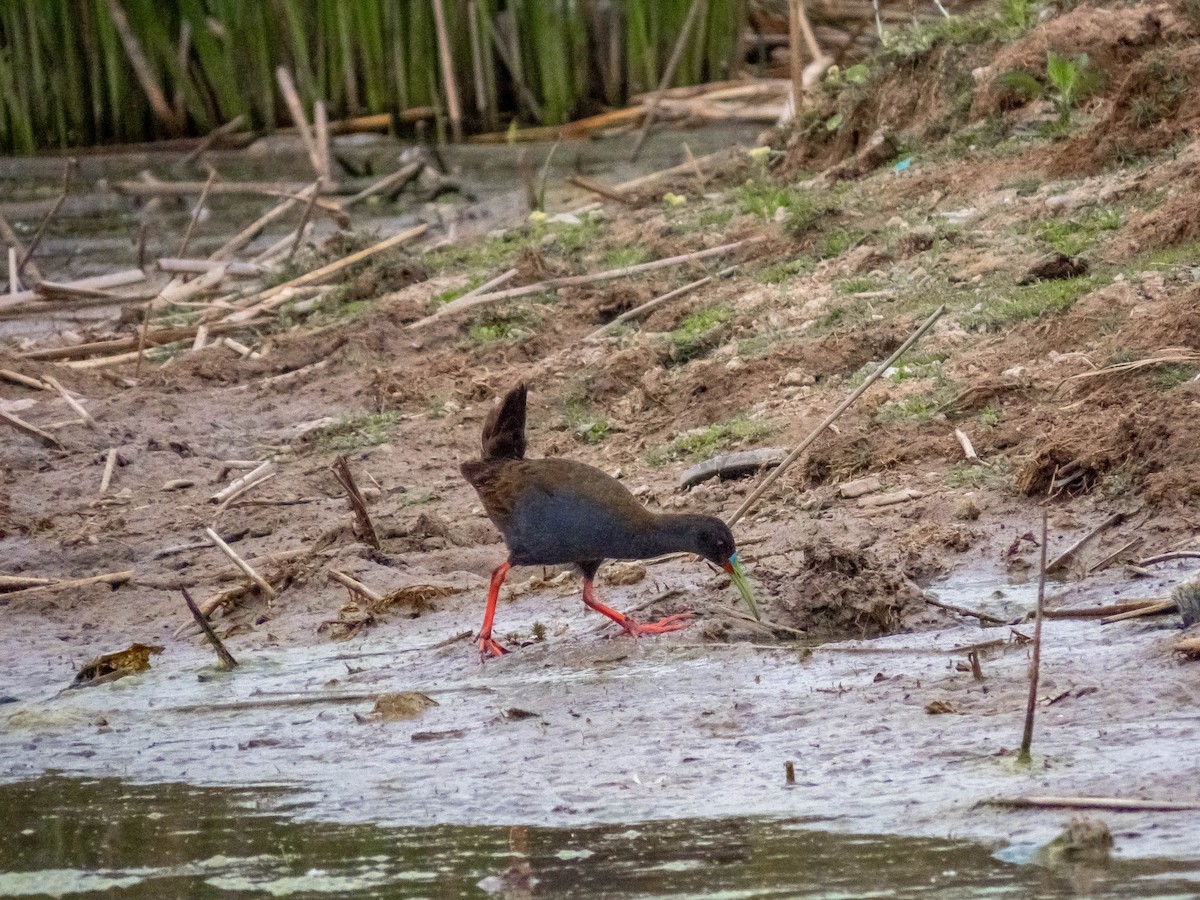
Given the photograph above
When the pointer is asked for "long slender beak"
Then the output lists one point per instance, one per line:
(738, 576)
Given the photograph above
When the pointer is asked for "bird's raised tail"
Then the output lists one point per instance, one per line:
(504, 429)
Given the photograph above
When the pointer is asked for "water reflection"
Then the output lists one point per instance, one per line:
(83, 837)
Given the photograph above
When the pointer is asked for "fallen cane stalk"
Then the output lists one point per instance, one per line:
(110, 578)
(226, 658)
(246, 568)
(71, 401)
(341, 468)
(356, 587)
(1115, 804)
(774, 474)
(110, 463)
(1035, 666)
(238, 484)
(33, 431)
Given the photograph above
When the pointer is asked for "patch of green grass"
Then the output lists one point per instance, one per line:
(1074, 236)
(502, 325)
(587, 427)
(994, 474)
(707, 442)
(804, 209)
(764, 199)
(1168, 257)
(355, 432)
(919, 408)
(782, 272)
(716, 218)
(851, 314)
(991, 415)
(444, 297)
(912, 43)
(859, 285)
(625, 255)
(1032, 301)
(693, 335)
(1173, 376)
(838, 241)
(572, 238)
(489, 254)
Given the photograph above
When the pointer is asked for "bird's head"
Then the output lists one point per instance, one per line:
(714, 541)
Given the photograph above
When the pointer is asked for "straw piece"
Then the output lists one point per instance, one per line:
(246, 568)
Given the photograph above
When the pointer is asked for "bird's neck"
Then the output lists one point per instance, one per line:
(669, 533)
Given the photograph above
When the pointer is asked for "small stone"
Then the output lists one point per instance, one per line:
(178, 484)
(966, 510)
(798, 378)
(623, 573)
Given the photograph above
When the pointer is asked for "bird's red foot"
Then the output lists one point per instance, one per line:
(662, 626)
(488, 647)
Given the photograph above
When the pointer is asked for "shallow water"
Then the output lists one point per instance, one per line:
(84, 837)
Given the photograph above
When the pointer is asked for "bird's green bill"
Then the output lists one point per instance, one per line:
(738, 576)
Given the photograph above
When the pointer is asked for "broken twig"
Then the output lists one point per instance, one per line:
(1035, 665)
(341, 468)
(262, 583)
(226, 658)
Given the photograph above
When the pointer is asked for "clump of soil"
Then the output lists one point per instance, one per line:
(842, 590)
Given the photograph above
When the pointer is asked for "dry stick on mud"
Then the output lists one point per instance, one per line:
(270, 298)
(308, 210)
(964, 611)
(1115, 804)
(251, 231)
(693, 13)
(465, 300)
(1100, 612)
(1168, 557)
(262, 583)
(355, 586)
(24, 380)
(645, 309)
(1150, 609)
(1063, 558)
(110, 463)
(389, 184)
(32, 431)
(211, 138)
(226, 658)
(16, 252)
(199, 208)
(600, 190)
(774, 474)
(341, 468)
(1036, 664)
(967, 447)
(608, 275)
(109, 578)
(71, 401)
(257, 474)
(68, 179)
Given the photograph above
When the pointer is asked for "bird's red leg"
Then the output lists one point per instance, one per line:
(670, 623)
(486, 645)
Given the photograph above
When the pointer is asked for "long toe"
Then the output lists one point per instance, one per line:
(488, 647)
(662, 626)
